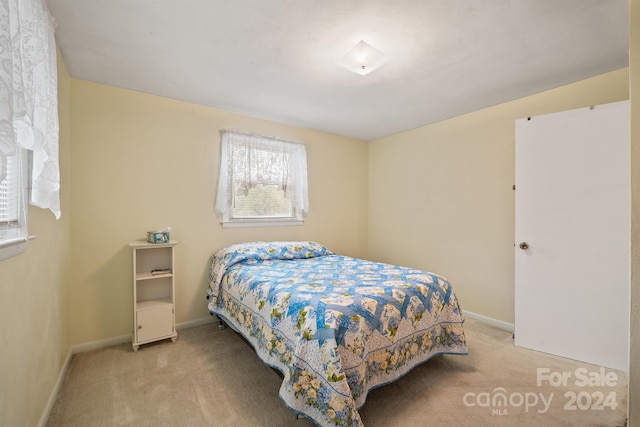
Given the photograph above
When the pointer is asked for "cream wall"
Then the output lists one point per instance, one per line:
(143, 162)
(441, 197)
(34, 310)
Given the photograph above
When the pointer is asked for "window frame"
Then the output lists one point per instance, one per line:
(226, 189)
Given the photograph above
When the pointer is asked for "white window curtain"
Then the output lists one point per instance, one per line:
(29, 96)
(247, 160)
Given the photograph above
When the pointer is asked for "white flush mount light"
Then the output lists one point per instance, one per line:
(363, 59)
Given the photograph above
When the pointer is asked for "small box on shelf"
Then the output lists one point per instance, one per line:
(158, 236)
(162, 272)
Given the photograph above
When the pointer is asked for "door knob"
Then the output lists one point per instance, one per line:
(524, 246)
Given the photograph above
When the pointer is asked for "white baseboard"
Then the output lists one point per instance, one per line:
(490, 321)
(94, 345)
(54, 392)
(198, 322)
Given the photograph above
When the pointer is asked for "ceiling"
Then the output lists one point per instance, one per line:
(276, 59)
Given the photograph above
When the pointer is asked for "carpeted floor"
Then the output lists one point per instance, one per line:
(209, 377)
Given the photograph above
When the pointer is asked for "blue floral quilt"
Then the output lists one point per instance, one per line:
(335, 326)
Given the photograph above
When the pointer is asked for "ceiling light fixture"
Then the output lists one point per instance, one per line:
(363, 59)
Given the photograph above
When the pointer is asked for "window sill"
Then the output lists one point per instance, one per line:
(280, 222)
(14, 246)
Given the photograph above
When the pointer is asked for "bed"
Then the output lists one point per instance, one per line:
(334, 326)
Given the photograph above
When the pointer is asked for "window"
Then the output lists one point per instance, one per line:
(262, 181)
(13, 206)
(9, 192)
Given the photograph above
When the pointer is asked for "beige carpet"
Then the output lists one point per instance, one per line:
(209, 377)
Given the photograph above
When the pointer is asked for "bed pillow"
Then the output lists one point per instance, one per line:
(257, 251)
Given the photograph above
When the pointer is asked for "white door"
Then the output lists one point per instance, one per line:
(572, 234)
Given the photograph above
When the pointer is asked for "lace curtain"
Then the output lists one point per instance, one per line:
(29, 95)
(248, 160)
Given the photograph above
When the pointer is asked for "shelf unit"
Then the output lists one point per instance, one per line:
(153, 293)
